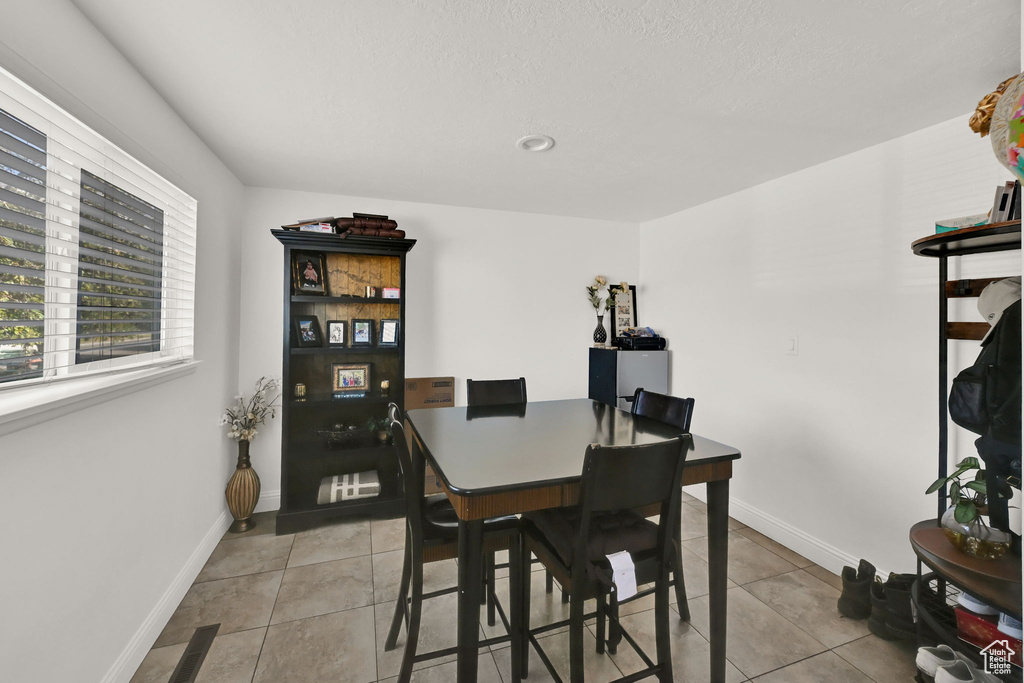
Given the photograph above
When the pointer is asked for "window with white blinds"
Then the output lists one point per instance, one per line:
(97, 251)
(22, 248)
(120, 260)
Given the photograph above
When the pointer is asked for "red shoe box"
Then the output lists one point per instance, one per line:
(980, 631)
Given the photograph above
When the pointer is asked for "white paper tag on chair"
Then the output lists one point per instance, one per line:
(623, 574)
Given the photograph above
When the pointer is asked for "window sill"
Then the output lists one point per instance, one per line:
(21, 408)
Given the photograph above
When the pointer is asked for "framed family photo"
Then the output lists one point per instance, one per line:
(624, 314)
(350, 378)
(388, 335)
(309, 273)
(336, 332)
(362, 332)
(307, 331)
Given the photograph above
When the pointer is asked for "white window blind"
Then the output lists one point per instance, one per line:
(97, 251)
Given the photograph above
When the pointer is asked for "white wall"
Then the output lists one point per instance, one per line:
(839, 442)
(108, 513)
(489, 294)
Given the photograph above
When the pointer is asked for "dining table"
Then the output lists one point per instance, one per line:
(502, 460)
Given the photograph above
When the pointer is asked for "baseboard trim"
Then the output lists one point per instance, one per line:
(797, 540)
(818, 551)
(131, 657)
(269, 500)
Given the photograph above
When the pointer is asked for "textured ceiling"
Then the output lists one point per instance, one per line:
(655, 105)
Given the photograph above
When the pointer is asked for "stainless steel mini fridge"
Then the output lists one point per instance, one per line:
(615, 375)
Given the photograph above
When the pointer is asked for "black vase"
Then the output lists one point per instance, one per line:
(600, 335)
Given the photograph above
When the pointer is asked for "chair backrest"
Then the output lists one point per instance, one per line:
(412, 472)
(625, 477)
(622, 477)
(668, 409)
(495, 392)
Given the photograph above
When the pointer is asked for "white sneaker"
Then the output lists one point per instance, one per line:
(963, 672)
(975, 605)
(1010, 626)
(930, 659)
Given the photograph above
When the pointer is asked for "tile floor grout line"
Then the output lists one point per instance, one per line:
(765, 578)
(772, 551)
(854, 664)
(793, 663)
(337, 559)
(266, 633)
(237, 576)
(785, 617)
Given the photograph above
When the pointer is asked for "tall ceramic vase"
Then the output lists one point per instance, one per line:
(600, 335)
(243, 491)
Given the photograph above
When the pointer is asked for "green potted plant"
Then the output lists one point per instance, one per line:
(964, 522)
(381, 428)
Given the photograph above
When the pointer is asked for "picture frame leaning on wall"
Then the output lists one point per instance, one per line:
(624, 313)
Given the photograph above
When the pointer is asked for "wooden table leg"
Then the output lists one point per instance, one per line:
(470, 578)
(718, 572)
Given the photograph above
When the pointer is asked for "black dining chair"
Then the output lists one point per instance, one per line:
(431, 535)
(677, 412)
(495, 392)
(573, 544)
(483, 393)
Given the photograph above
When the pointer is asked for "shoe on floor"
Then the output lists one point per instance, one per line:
(930, 659)
(855, 602)
(879, 611)
(1010, 626)
(892, 614)
(963, 672)
(900, 620)
(972, 603)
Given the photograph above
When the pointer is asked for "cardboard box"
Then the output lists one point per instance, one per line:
(429, 392)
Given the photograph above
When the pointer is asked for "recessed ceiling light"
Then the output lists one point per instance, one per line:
(535, 143)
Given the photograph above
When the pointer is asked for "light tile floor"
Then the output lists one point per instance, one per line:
(316, 606)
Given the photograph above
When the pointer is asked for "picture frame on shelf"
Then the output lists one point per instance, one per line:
(309, 273)
(349, 380)
(624, 313)
(337, 333)
(388, 335)
(362, 332)
(391, 293)
(307, 331)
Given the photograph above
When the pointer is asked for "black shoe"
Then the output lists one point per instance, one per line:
(900, 619)
(855, 602)
(879, 611)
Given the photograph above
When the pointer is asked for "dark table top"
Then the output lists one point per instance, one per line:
(477, 451)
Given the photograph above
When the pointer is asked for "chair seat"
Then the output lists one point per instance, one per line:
(440, 520)
(610, 532)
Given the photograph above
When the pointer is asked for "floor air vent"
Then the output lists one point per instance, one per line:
(195, 653)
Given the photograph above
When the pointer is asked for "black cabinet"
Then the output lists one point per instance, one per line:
(332, 391)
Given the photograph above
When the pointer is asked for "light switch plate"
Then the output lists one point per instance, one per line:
(793, 345)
